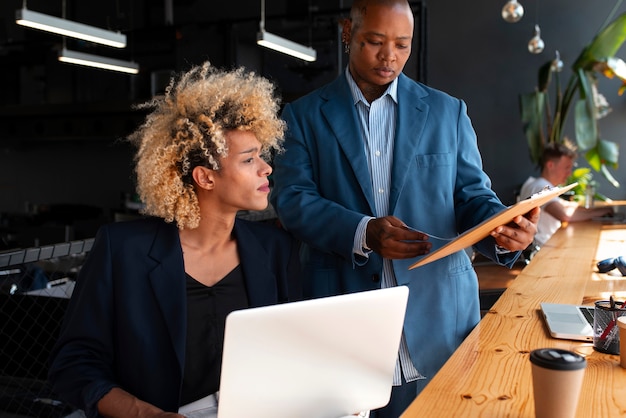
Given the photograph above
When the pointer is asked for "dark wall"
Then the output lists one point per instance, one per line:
(477, 56)
(71, 154)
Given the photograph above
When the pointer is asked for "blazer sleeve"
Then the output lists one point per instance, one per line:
(475, 200)
(312, 162)
(81, 361)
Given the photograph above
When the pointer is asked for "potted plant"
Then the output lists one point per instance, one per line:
(543, 124)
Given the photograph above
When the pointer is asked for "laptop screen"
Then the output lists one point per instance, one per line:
(326, 357)
(570, 322)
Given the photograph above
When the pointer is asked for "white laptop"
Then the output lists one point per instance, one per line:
(569, 322)
(322, 358)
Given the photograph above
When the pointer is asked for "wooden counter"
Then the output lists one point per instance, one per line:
(489, 376)
(600, 203)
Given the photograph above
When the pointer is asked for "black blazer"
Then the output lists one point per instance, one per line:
(126, 322)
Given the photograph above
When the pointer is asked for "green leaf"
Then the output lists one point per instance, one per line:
(598, 157)
(532, 113)
(608, 152)
(557, 127)
(582, 176)
(604, 45)
(585, 79)
(586, 127)
(607, 174)
(545, 76)
(593, 158)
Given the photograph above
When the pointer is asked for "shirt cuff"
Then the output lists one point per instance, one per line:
(359, 246)
(501, 250)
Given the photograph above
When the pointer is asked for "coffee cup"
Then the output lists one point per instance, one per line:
(557, 379)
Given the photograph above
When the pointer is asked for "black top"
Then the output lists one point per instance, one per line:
(144, 259)
(207, 308)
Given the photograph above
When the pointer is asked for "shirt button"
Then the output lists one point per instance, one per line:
(381, 191)
(377, 153)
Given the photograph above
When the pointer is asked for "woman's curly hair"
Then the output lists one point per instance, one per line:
(187, 128)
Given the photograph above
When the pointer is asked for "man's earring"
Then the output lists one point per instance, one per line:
(346, 43)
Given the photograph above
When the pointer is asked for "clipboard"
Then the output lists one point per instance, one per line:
(483, 229)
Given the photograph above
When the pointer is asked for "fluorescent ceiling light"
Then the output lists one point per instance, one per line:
(80, 58)
(286, 46)
(69, 28)
(283, 45)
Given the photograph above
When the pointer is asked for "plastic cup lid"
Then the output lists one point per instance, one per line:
(557, 359)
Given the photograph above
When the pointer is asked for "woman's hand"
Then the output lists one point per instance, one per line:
(120, 404)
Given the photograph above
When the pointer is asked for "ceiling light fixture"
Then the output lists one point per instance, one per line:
(69, 28)
(283, 45)
(81, 58)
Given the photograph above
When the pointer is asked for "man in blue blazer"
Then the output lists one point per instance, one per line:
(371, 159)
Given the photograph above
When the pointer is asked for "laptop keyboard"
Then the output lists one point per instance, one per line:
(587, 313)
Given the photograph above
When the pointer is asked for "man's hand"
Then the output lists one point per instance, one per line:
(391, 238)
(519, 234)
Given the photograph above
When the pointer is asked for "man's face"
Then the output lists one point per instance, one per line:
(561, 169)
(380, 45)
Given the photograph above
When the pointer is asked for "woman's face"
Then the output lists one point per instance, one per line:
(241, 183)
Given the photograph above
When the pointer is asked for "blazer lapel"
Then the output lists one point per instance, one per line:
(168, 284)
(412, 116)
(254, 263)
(341, 115)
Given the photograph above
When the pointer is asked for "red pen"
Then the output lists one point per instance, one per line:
(609, 327)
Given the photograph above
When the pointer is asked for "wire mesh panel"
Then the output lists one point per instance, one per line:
(35, 287)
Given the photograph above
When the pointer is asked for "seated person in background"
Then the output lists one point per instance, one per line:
(556, 165)
(144, 331)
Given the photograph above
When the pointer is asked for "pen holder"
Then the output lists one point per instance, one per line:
(605, 329)
(621, 323)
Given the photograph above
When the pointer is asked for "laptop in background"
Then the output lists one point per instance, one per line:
(569, 322)
(327, 357)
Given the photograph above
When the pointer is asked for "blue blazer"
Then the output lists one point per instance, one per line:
(322, 189)
(126, 322)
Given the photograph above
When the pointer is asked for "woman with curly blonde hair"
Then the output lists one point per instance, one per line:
(143, 334)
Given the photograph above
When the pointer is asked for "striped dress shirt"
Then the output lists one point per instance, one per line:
(377, 122)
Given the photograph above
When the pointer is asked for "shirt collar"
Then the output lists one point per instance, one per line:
(357, 94)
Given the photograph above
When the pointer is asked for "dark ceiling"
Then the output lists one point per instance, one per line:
(167, 35)
(43, 98)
